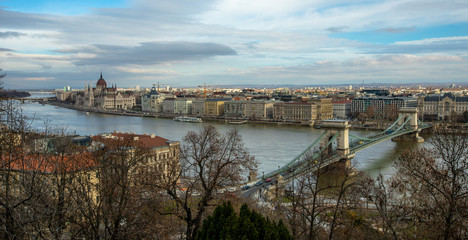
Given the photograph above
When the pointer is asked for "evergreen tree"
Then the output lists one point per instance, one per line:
(249, 225)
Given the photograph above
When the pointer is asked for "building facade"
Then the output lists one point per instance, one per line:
(259, 109)
(444, 106)
(102, 97)
(324, 107)
(198, 107)
(215, 107)
(342, 109)
(381, 106)
(299, 111)
(234, 108)
(153, 101)
(168, 105)
(183, 106)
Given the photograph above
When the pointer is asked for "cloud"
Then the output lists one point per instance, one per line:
(149, 53)
(19, 20)
(337, 29)
(5, 50)
(319, 15)
(396, 30)
(432, 45)
(251, 45)
(145, 70)
(10, 34)
(39, 78)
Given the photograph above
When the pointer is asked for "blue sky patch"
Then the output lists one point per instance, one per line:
(392, 35)
(63, 7)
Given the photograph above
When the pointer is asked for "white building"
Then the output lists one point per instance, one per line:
(183, 106)
(342, 109)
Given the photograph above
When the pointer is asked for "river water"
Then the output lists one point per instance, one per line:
(272, 145)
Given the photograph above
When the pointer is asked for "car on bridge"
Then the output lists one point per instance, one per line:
(389, 131)
(245, 187)
(258, 183)
(268, 180)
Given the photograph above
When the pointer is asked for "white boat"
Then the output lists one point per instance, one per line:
(188, 119)
(240, 122)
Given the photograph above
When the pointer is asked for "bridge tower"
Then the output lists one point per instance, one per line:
(409, 114)
(342, 128)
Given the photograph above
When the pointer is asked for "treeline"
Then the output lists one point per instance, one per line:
(14, 94)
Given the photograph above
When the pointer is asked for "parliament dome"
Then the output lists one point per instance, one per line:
(101, 83)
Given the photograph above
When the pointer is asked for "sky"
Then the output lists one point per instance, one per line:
(57, 43)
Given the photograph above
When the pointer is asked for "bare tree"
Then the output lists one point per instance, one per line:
(210, 161)
(436, 178)
(21, 184)
(385, 198)
(310, 202)
(344, 181)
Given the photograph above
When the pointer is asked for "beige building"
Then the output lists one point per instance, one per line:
(324, 108)
(295, 111)
(443, 106)
(102, 97)
(259, 109)
(198, 107)
(234, 108)
(161, 158)
(215, 107)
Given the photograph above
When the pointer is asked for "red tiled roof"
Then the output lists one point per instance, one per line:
(47, 163)
(148, 141)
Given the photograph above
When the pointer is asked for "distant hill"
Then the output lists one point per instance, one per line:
(14, 94)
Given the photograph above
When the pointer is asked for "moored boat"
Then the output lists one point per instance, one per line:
(188, 119)
(238, 122)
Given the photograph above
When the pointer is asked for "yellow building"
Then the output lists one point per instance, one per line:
(215, 107)
(324, 108)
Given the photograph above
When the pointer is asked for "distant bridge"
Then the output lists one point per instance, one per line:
(23, 100)
(405, 128)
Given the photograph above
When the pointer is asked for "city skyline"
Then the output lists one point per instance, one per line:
(51, 43)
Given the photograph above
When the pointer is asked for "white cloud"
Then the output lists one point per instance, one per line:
(298, 15)
(432, 40)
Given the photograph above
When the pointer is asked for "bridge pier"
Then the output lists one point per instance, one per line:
(342, 147)
(342, 140)
(410, 113)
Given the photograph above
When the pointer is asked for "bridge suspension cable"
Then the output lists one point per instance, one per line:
(304, 167)
(296, 158)
(391, 126)
(360, 137)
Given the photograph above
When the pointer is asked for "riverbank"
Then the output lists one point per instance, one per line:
(220, 119)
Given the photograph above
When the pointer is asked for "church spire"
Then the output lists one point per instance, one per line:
(101, 75)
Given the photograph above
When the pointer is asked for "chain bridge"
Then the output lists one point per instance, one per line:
(336, 145)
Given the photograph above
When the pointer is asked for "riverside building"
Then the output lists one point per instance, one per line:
(103, 97)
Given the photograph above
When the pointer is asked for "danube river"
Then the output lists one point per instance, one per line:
(271, 145)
